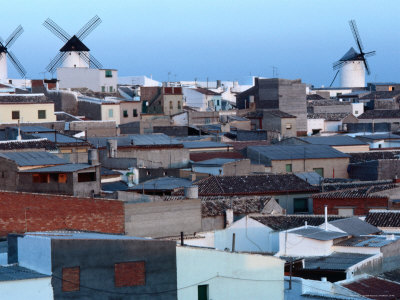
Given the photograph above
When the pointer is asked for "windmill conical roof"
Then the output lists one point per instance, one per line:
(74, 44)
(2, 48)
(351, 55)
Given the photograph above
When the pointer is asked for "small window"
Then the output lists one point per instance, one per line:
(356, 112)
(288, 126)
(15, 114)
(70, 279)
(62, 178)
(86, 177)
(40, 178)
(103, 89)
(179, 105)
(346, 212)
(125, 113)
(10, 81)
(171, 105)
(135, 113)
(41, 114)
(110, 113)
(130, 274)
(319, 171)
(289, 168)
(108, 73)
(217, 102)
(202, 292)
(111, 89)
(300, 205)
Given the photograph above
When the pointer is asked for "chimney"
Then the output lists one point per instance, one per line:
(228, 217)
(93, 157)
(326, 217)
(192, 192)
(305, 224)
(112, 146)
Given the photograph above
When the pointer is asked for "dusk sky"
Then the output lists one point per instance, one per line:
(227, 40)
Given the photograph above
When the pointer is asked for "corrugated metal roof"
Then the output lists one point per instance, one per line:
(14, 272)
(310, 177)
(335, 261)
(317, 233)
(204, 144)
(283, 152)
(162, 184)
(155, 139)
(30, 129)
(354, 226)
(335, 140)
(215, 162)
(67, 168)
(58, 137)
(368, 241)
(33, 158)
(114, 186)
(380, 136)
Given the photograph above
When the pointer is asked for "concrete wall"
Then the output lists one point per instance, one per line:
(93, 79)
(228, 275)
(286, 201)
(90, 110)
(129, 107)
(95, 128)
(96, 260)
(32, 289)
(161, 219)
(64, 101)
(333, 167)
(340, 108)
(28, 112)
(375, 170)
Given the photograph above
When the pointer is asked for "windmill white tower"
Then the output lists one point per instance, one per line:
(5, 54)
(353, 64)
(74, 53)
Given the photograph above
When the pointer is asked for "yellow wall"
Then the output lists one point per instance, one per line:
(116, 113)
(28, 112)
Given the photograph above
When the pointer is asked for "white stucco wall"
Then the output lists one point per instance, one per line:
(233, 276)
(332, 125)
(93, 79)
(194, 98)
(250, 235)
(29, 289)
(297, 245)
(3, 67)
(35, 253)
(315, 124)
(357, 109)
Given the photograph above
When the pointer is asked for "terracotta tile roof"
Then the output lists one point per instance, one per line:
(251, 185)
(373, 155)
(279, 113)
(292, 221)
(381, 114)
(326, 102)
(315, 97)
(381, 95)
(357, 193)
(210, 155)
(375, 288)
(328, 116)
(384, 218)
(34, 144)
(238, 146)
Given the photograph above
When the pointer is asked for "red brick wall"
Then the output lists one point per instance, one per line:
(130, 273)
(70, 279)
(361, 206)
(20, 212)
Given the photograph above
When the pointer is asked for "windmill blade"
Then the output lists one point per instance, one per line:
(57, 30)
(13, 36)
(366, 66)
(16, 63)
(356, 35)
(334, 78)
(91, 61)
(1, 41)
(56, 61)
(338, 64)
(88, 27)
(368, 54)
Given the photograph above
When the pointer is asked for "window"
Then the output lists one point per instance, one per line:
(217, 102)
(110, 113)
(346, 212)
(130, 273)
(103, 89)
(319, 171)
(125, 113)
(171, 105)
(108, 73)
(70, 279)
(41, 114)
(85, 177)
(179, 105)
(111, 89)
(300, 205)
(15, 114)
(135, 113)
(356, 112)
(202, 292)
(40, 178)
(288, 167)
(62, 178)
(288, 126)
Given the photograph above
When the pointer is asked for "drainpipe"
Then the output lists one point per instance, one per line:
(326, 217)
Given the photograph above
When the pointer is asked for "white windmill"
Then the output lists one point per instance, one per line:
(353, 64)
(74, 53)
(5, 54)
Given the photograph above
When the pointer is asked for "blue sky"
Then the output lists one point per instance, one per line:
(218, 39)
